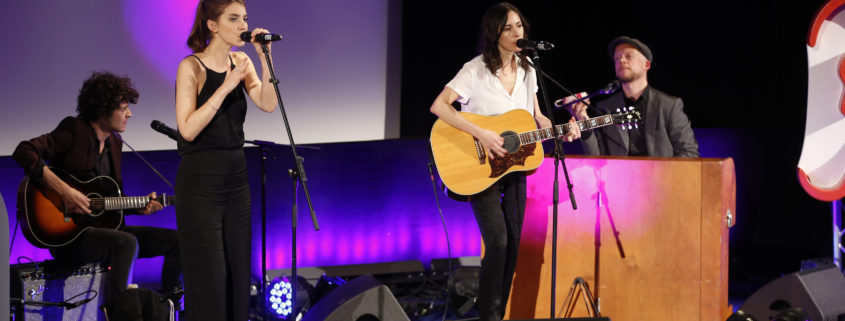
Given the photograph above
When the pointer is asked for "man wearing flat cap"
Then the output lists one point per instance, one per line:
(664, 130)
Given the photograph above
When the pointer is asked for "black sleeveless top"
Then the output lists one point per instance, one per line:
(226, 129)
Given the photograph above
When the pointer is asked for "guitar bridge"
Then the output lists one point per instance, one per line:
(479, 151)
(65, 213)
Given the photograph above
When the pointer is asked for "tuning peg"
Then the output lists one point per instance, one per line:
(637, 126)
(630, 127)
(618, 110)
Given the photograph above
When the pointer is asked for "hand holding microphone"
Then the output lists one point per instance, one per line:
(260, 36)
(576, 103)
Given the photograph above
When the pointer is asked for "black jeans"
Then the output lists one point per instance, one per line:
(499, 212)
(119, 248)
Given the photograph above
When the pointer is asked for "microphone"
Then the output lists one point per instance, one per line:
(612, 87)
(164, 129)
(534, 45)
(260, 38)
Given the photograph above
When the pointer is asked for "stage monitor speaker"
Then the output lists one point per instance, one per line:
(361, 299)
(43, 286)
(819, 292)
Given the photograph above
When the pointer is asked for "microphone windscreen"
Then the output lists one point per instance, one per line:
(246, 36)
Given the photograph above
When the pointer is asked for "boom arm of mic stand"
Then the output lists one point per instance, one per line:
(145, 161)
(566, 90)
(262, 143)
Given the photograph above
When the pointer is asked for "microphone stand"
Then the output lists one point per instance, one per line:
(560, 158)
(297, 176)
(566, 90)
(265, 148)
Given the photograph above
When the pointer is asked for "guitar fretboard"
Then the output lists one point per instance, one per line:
(548, 133)
(125, 202)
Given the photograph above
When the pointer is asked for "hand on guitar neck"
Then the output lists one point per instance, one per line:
(153, 206)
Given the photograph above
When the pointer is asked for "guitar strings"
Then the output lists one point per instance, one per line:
(563, 128)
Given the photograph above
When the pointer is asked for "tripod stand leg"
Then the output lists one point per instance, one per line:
(588, 298)
(568, 305)
(579, 287)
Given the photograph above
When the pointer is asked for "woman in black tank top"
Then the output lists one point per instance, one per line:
(213, 216)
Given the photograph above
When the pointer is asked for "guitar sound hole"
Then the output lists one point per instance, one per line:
(511, 142)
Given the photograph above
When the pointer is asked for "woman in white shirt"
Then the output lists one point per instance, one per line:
(497, 81)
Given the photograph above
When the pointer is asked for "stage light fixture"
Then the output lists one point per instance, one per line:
(279, 300)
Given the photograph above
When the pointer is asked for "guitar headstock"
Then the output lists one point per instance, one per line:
(627, 118)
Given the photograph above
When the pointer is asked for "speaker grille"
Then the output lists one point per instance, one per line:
(50, 282)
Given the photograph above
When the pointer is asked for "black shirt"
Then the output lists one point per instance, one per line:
(103, 161)
(636, 141)
(226, 129)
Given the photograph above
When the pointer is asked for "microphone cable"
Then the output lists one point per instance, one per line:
(445, 231)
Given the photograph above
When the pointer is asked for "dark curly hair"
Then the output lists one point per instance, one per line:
(492, 25)
(102, 93)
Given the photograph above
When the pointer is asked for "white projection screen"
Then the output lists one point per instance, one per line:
(334, 65)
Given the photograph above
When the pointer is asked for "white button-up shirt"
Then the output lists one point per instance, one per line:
(482, 93)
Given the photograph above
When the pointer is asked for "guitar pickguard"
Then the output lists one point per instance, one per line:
(500, 165)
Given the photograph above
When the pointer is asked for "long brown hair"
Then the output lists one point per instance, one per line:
(206, 10)
(492, 25)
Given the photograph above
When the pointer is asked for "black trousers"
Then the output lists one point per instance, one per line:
(499, 212)
(119, 248)
(213, 217)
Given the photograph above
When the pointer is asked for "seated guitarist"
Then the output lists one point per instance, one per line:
(497, 81)
(87, 146)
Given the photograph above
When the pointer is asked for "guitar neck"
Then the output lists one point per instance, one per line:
(126, 202)
(547, 133)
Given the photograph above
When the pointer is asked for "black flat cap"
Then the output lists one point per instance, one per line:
(611, 47)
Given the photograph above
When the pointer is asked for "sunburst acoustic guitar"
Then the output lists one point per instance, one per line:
(47, 223)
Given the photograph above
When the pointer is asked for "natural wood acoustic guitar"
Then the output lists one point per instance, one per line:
(463, 163)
